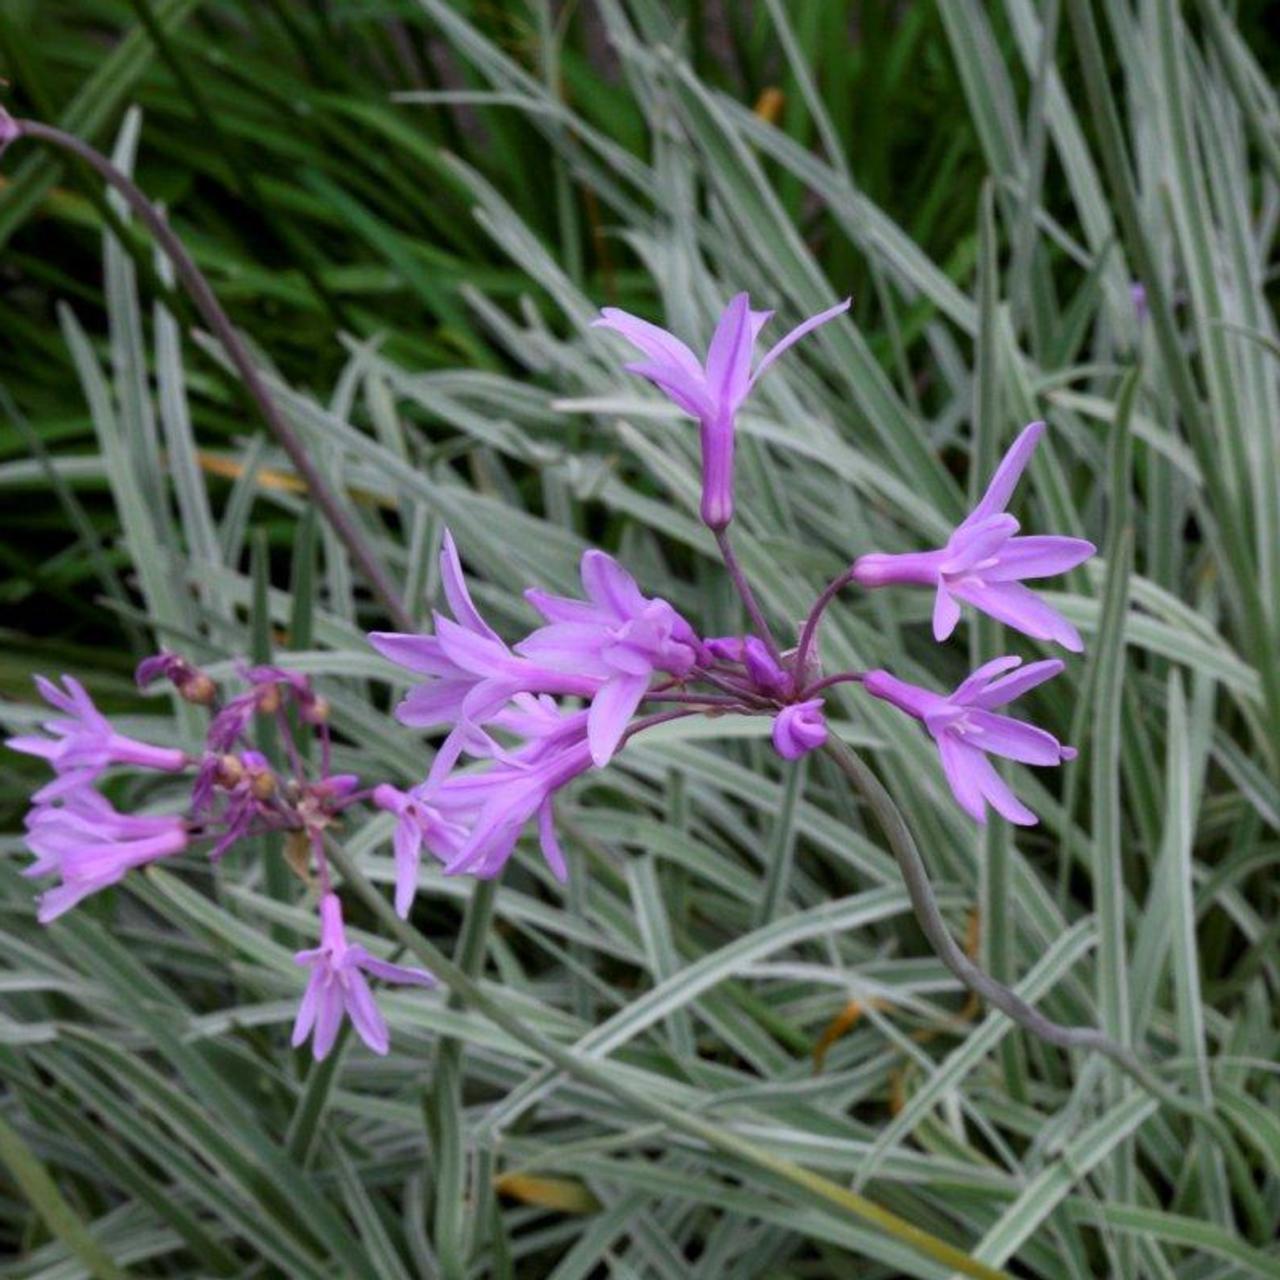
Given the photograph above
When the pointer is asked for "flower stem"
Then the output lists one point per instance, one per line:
(809, 634)
(927, 913)
(206, 302)
(743, 587)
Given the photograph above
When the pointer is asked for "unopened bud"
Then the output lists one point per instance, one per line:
(198, 689)
(262, 782)
(230, 771)
(316, 711)
(269, 699)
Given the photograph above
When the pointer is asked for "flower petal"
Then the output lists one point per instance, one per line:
(971, 544)
(455, 590)
(479, 654)
(1007, 475)
(971, 686)
(550, 841)
(997, 792)
(610, 586)
(328, 1019)
(1013, 739)
(1019, 607)
(962, 765)
(685, 392)
(561, 608)
(407, 843)
(657, 343)
(397, 973)
(1038, 557)
(1009, 687)
(946, 613)
(365, 1015)
(808, 326)
(422, 654)
(729, 355)
(611, 711)
(307, 1009)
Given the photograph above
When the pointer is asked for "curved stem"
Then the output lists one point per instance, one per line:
(808, 635)
(216, 318)
(743, 586)
(927, 913)
(843, 677)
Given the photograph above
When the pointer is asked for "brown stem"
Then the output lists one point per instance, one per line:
(206, 302)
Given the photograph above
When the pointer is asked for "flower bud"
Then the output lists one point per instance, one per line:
(316, 711)
(268, 699)
(230, 770)
(262, 782)
(799, 729)
(199, 689)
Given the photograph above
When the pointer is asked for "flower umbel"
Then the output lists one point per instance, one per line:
(984, 562)
(711, 392)
(338, 986)
(966, 728)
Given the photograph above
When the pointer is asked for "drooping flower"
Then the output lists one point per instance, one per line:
(191, 683)
(984, 562)
(84, 743)
(799, 729)
(419, 825)
(471, 673)
(711, 393)
(967, 729)
(90, 845)
(338, 986)
(618, 637)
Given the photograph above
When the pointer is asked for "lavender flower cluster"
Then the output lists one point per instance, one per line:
(536, 714)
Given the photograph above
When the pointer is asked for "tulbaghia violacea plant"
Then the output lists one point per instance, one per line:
(523, 718)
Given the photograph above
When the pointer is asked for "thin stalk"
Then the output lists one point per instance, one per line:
(929, 917)
(748, 597)
(206, 302)
(470, 992)
(808, 635)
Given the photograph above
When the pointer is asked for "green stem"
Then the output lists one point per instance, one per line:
(980, 983)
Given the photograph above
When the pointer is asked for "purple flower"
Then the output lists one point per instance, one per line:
(338, 985)
(799, 729)
(711, 393)
(471, 674)
(617, 637)
(494, 804)
(984, 562)
(90, 846)
(83, 744)
(418, 824)
(967, 729)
